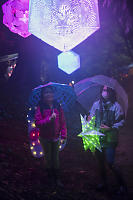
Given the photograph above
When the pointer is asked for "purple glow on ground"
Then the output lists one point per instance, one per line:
(16, 16)
(63, 24)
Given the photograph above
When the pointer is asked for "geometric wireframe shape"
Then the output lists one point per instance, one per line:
(63, 24)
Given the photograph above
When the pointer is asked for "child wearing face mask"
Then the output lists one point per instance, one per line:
(109, 119)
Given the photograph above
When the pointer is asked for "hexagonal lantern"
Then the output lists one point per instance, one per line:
(63, 23)
(16, 16)
(68, 61)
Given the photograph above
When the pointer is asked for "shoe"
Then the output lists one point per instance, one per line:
(122, 190)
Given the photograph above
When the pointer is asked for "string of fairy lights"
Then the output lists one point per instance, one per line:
(33, 133)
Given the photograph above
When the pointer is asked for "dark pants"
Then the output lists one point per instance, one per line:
(107, 156)
(51, 153)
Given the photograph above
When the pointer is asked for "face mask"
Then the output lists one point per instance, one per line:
(105, 94)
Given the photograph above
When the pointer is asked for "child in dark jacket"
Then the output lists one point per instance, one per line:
(109, 120)
(49, 118)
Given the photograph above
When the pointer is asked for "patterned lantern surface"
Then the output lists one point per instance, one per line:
(69, 61)
(63, 23)
(90, 135)
(16, 16)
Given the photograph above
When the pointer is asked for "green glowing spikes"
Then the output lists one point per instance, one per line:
(90, 135)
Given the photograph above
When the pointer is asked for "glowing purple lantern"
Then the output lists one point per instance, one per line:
(68, 61)
(63, 23)
(16, 16)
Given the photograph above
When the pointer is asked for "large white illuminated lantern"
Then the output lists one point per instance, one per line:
(63, 24)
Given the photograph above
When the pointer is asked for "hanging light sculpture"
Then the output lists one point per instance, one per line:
(63, 24)
(16, 16)
(68, 61)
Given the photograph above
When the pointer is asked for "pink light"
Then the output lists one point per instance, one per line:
(34, 134)
(16, 16)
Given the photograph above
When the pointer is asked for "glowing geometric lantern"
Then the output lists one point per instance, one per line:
(16, 16)
(68, 61)
(63, 23)
(90, 135)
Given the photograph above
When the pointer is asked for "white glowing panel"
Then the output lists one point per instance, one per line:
(63, 23)
(68, 61)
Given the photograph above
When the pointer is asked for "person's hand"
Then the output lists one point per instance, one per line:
(88, 118)
(53, 116)
(104, 127)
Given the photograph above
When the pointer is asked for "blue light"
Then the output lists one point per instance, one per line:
(68, 61)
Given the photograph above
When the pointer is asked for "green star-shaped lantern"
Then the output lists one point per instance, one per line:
(90, 135)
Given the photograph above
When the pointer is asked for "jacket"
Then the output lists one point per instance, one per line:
(51, 129)
(112, 116)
